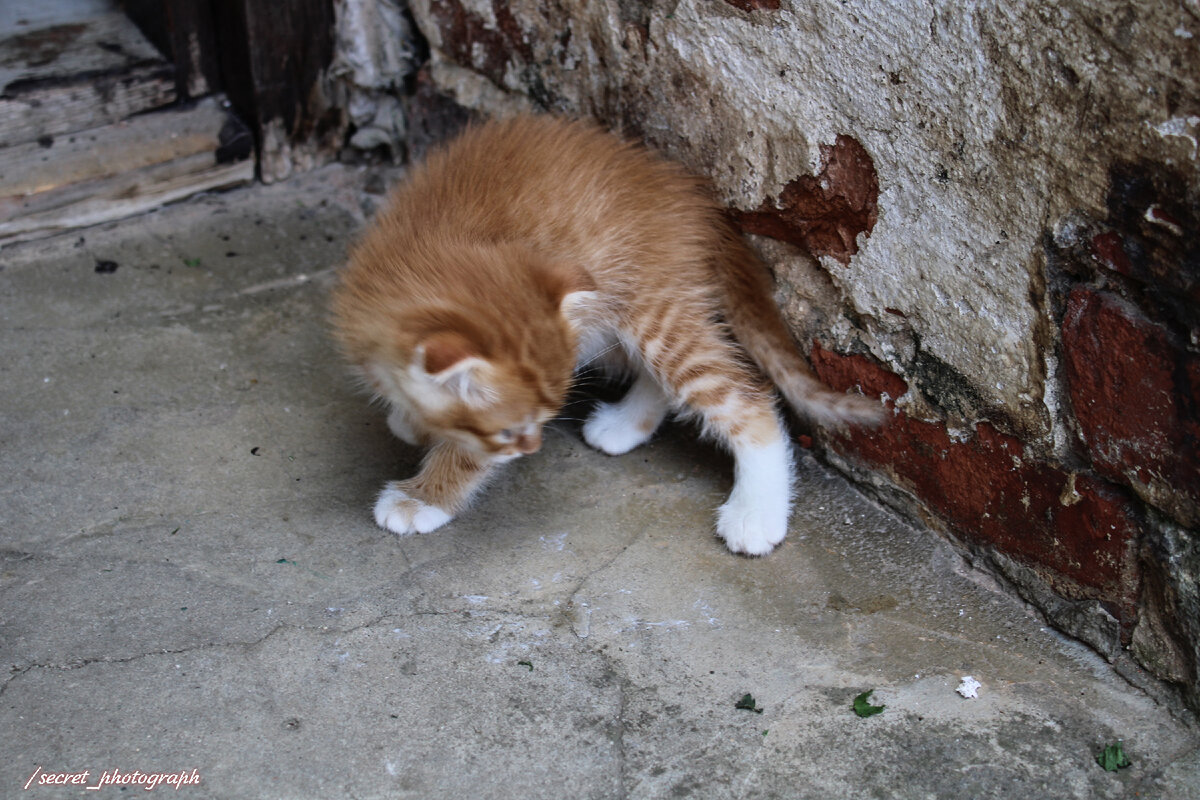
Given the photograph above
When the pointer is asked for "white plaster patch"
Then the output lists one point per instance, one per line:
(373, 43)
(1180, 127)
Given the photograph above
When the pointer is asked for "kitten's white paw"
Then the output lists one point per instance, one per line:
(611, 429)
(751, 528)
(754, 519)
(397, 512)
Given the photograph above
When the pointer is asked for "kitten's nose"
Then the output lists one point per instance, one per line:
(529, 442)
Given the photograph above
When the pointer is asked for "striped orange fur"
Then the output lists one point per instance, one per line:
(531, 245)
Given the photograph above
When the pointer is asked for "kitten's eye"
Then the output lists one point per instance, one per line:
(507, 435)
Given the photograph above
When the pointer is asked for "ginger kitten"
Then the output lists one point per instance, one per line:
(532, 245)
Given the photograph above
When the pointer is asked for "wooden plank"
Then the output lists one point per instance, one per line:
(123, 196)
(29, 169)
(194, 45)
(121, 169)
(37, 112)
(73, 76)
(17, 17)
(104, 43)
(275, 60)
(185, 32)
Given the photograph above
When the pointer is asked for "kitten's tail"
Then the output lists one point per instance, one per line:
(757, 323)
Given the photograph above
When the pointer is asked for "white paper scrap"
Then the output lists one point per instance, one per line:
(969, 687)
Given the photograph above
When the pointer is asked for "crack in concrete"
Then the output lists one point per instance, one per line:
(619, 736)
(16, 672)
(582, 581)
(87, 662)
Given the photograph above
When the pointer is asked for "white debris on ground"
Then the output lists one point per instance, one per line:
(969, 687)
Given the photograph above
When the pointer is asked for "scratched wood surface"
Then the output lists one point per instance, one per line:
(121, 169)
(71, 74)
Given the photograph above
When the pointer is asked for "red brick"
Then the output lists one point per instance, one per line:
(1135, 395)
(856, 372)
(1109, 250)
(1077, 531)
(824, 213)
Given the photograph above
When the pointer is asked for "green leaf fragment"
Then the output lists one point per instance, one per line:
(864, 708)
(1113, 758)
(747, 702)
(191, 262)
(526, 664)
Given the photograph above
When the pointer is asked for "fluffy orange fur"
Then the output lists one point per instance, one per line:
(531, 245)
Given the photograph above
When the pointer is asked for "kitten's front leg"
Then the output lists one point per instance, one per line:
(617, 428)
(449, 476)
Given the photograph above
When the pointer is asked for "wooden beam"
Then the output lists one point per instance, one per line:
(76, 75)
(185, 31)
(119, 170)
(275, 69)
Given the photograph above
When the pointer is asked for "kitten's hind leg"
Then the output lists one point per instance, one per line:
(755, 517)
(449, 476)
(617, 428)
(704, 372)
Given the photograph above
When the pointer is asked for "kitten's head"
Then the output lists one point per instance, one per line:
(485, 367)
(469, 388)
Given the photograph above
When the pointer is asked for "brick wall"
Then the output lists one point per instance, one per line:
(986, 214)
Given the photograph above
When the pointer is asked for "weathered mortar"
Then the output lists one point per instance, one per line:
(935, 182)
(376, 57)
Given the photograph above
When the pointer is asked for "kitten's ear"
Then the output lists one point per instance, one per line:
(442, 351)
(569, 286)
(451, 361)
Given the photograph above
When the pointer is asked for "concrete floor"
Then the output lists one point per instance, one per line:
(190, 579)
